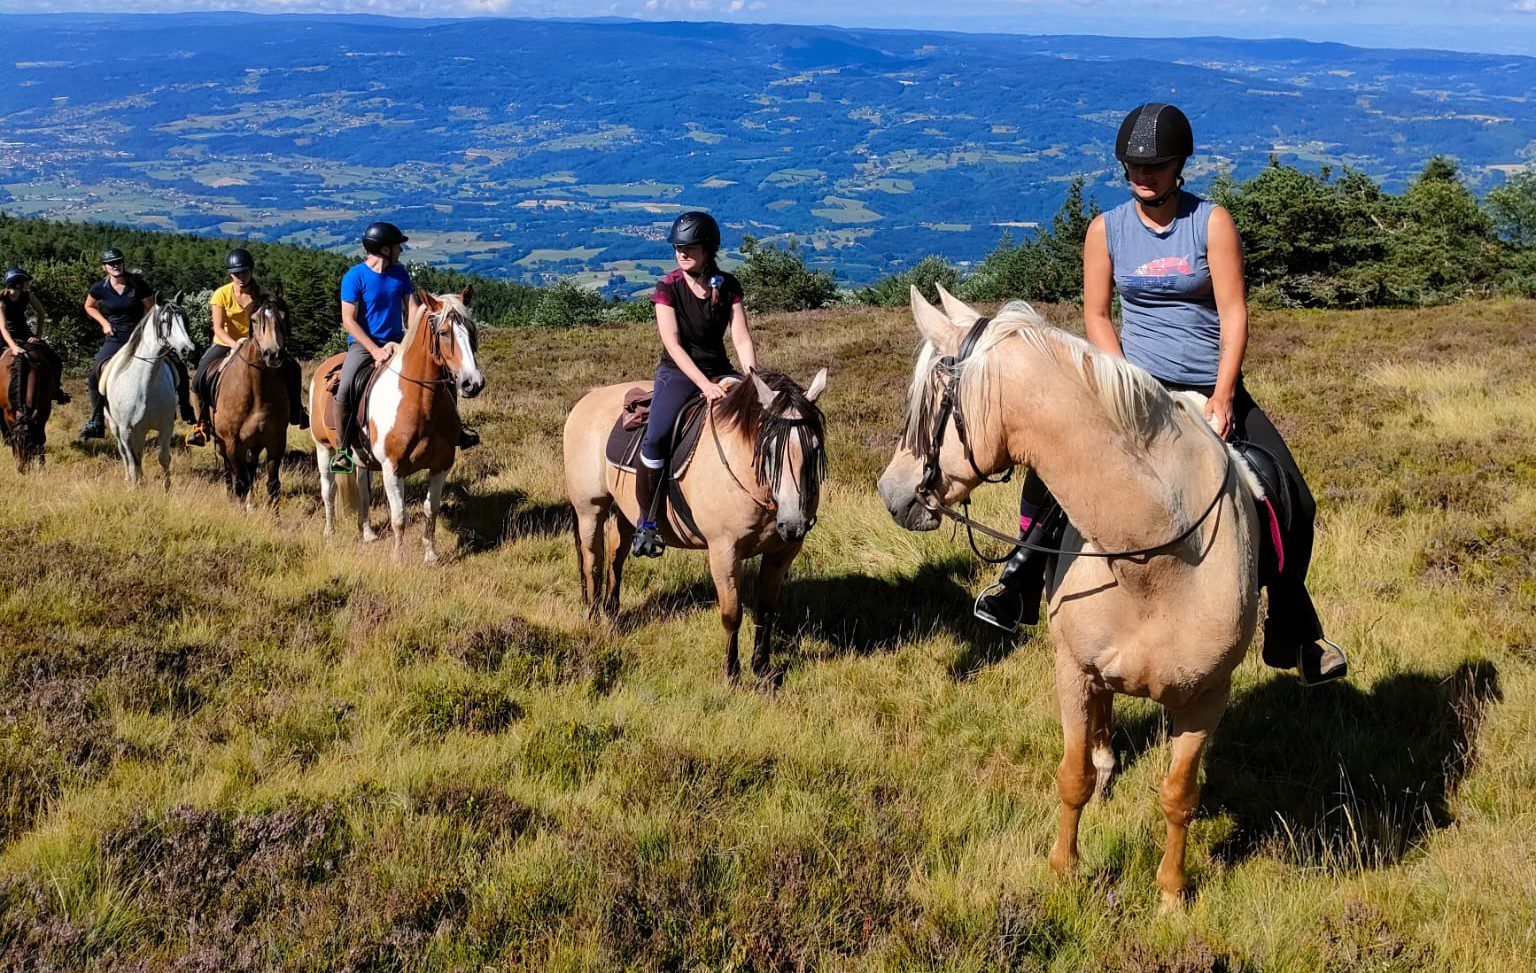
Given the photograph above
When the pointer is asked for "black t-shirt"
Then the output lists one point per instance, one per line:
(15, 309)
(701, 327)
(123, 311)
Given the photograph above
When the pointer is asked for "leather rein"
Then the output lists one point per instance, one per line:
(933, 474)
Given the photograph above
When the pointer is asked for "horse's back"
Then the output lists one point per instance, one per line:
(320, 425)
(586, 431)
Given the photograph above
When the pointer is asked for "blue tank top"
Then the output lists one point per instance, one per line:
(1168, 322)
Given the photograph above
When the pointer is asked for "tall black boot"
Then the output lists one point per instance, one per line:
(95, 426)
(1014, 599)
(652, 498)
(182, 381)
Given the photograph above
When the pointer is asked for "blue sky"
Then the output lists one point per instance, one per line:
(1506, 26)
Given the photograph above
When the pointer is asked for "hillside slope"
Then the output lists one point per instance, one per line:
(226, 743)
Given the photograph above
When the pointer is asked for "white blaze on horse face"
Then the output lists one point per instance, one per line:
(470, 379)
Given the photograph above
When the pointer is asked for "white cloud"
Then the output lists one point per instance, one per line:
(1525, 7)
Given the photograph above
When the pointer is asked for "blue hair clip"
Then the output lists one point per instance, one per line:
(718, 280)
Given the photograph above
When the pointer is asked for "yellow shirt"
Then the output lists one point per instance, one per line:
(237, 320)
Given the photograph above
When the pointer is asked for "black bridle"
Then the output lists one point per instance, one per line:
(947, 370)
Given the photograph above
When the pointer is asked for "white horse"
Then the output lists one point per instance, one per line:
(141, 391)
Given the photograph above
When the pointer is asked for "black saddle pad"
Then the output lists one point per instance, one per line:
(1275, 521)
(623, 448)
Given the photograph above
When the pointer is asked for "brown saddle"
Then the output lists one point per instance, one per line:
(362, 392)
(623, 450)
(211, 380)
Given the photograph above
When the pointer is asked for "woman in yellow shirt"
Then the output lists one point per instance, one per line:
(231, 306)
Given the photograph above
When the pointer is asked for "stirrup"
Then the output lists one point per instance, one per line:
(468, 437)
(647, 542)
(1333, 654)
(342, 462)
(995, 621)
(200, 435)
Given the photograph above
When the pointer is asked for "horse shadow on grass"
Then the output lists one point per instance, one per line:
(484, 521)
(1343, 778)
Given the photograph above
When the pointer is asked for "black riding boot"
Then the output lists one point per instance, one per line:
(95, 427)
(651, 496)
(183, 382)
(1014, 599)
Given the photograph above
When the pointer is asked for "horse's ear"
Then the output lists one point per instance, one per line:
(429, 301)
(467, 293)
(765, 394)
(818, 386)
(177, 298)
(934, 325)
(277, 290)
(954, 307)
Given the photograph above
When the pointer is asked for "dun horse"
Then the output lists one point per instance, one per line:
(26, 402)
(411, 423)
(141, 391)
(752, 488)
(1136, 470)
(250, 406)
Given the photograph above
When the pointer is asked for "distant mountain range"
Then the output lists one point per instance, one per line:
(539, 149)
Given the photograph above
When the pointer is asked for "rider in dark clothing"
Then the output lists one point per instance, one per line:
(695, 305)
(118, 302)
(17, 335)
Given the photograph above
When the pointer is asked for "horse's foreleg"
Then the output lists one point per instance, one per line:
(429, 506)
(1180, 793)
(274, 475)
(726, 570)
(770, 582)
(1101, 729)
(327, 487)
(363, 483)
(588, 528)
(163, 448)
(394, 492)
(1074, 776)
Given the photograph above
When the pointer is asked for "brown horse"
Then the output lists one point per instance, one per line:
(26, 402)
(250, 407)
(752, 488)
(1159, 595)
(412, 421)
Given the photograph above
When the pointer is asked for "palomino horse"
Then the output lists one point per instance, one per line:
(412, 422)
(1158, 593)
(141, 390)
(26, 402)
(752, 488)
(250, 408)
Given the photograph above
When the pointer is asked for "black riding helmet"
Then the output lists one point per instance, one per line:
(1154, 133)
(695, 227)
(15, 277)
(380, 235)
(112, 255)
(239, 259)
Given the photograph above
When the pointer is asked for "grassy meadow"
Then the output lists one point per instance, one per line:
(226, 743)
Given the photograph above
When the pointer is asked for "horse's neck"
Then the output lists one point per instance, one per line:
(415, 359)
(1120, 492)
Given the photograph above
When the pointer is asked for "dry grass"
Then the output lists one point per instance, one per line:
(227, 744)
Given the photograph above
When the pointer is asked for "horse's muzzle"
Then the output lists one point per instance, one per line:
(469, 388)
(792, 532)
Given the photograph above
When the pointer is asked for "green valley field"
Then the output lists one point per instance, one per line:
(226, 743)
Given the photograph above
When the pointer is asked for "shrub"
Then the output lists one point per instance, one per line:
(776, 278)
(568, 305)
(928, 275)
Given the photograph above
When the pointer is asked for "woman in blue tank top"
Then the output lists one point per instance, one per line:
(1177, 263)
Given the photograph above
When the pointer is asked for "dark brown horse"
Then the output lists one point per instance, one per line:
(250, 407)
(26, 400)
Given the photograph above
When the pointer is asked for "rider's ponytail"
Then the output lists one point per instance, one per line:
(715, 280)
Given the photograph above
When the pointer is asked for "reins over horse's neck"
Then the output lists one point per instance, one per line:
(422, 375)
(1121, 492)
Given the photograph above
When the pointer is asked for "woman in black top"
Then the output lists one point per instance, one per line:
(118, 302)
(15, 301)
(695, 305)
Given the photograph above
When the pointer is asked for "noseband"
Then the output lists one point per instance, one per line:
(927, 488)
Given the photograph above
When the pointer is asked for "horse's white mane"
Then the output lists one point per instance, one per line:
(1132, 398)
(130, 348)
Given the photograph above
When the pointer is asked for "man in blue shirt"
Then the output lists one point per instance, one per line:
(375, 296)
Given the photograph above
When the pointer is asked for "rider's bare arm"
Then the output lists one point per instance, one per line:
(37, 311)
(741, 337)
(1224, 253)
(5, 333)
(357, 331)
(1098, 286)
(666, 323)
(93, 310)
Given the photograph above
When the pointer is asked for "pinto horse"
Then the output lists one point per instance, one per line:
(141, 390)
(250, 407)
(752, 488)
(26, 401)
(412, 420)
(1157, 593)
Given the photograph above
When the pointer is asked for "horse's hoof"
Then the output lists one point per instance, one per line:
(430, 557)
(1171, 903)
(1064, 864)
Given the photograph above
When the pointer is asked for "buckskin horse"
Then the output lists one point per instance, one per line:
(26, 401)
(409, 419)
(1156, 593)
(250, 401)
(751, 488)
(141, 391)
